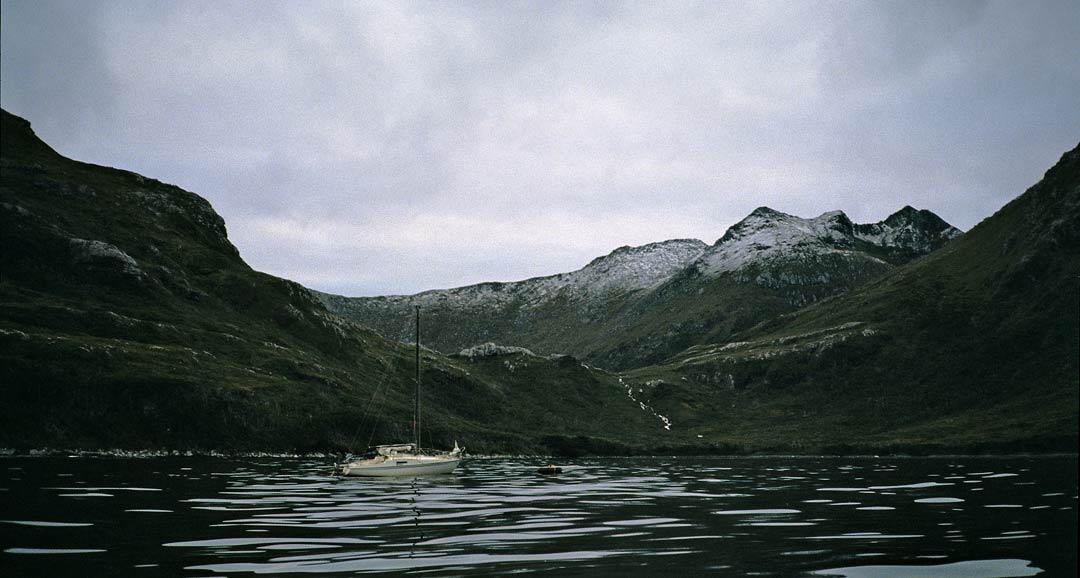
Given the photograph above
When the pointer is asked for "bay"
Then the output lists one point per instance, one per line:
(770, 516)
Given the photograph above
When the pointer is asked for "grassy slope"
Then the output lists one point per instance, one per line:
(690, 310)
(188, 347)
(975, 345)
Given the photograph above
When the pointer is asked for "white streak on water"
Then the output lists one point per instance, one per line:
(52, 550)
(46, 524)
(1007, 568)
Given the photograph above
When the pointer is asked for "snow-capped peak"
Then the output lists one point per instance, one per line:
(767, 233)
(909, 229)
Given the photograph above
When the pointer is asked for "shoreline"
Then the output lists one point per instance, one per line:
(148, 454)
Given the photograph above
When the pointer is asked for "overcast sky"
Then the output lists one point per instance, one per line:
(392, 147)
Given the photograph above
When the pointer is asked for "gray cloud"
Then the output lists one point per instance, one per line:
(395, 147)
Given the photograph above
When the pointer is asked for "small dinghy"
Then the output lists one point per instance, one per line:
(549, 470)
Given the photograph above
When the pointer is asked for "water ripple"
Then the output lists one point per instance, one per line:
(633, 517)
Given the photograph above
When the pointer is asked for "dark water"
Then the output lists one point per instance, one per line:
(601, 517)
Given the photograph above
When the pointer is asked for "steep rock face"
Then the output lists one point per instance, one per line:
(64, 227)
(640, 304)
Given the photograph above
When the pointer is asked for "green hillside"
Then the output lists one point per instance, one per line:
(974, 346)
(128, 319)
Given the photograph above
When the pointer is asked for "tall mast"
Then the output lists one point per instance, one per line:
(416, 394)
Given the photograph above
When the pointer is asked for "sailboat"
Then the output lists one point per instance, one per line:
(407, 459)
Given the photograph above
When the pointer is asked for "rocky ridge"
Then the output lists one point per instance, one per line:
(767, 235)
(638, 304)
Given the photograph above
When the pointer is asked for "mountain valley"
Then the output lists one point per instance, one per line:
(129, 320)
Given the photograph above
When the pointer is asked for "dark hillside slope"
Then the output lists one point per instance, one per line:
(975, 345)
(128, 319)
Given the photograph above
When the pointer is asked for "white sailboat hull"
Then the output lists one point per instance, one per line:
(401, 466)
(406, 459)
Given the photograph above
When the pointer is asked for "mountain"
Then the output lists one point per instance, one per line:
(128, 319)
(769, 240)
(974, 346)
(639, 305)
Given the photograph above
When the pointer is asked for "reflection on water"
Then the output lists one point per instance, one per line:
(641, 516)
(974, 569)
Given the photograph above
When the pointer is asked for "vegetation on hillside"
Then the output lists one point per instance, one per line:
(127, 319)
(975, 345)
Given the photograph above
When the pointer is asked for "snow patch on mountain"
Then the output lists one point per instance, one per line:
(631, 268)
(908, 228)
(624, 269)
(767, 234)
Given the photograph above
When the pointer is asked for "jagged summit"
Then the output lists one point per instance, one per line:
(767, 235)
(909, 229)
(764, 211)
(906, 210)
(765, 217)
